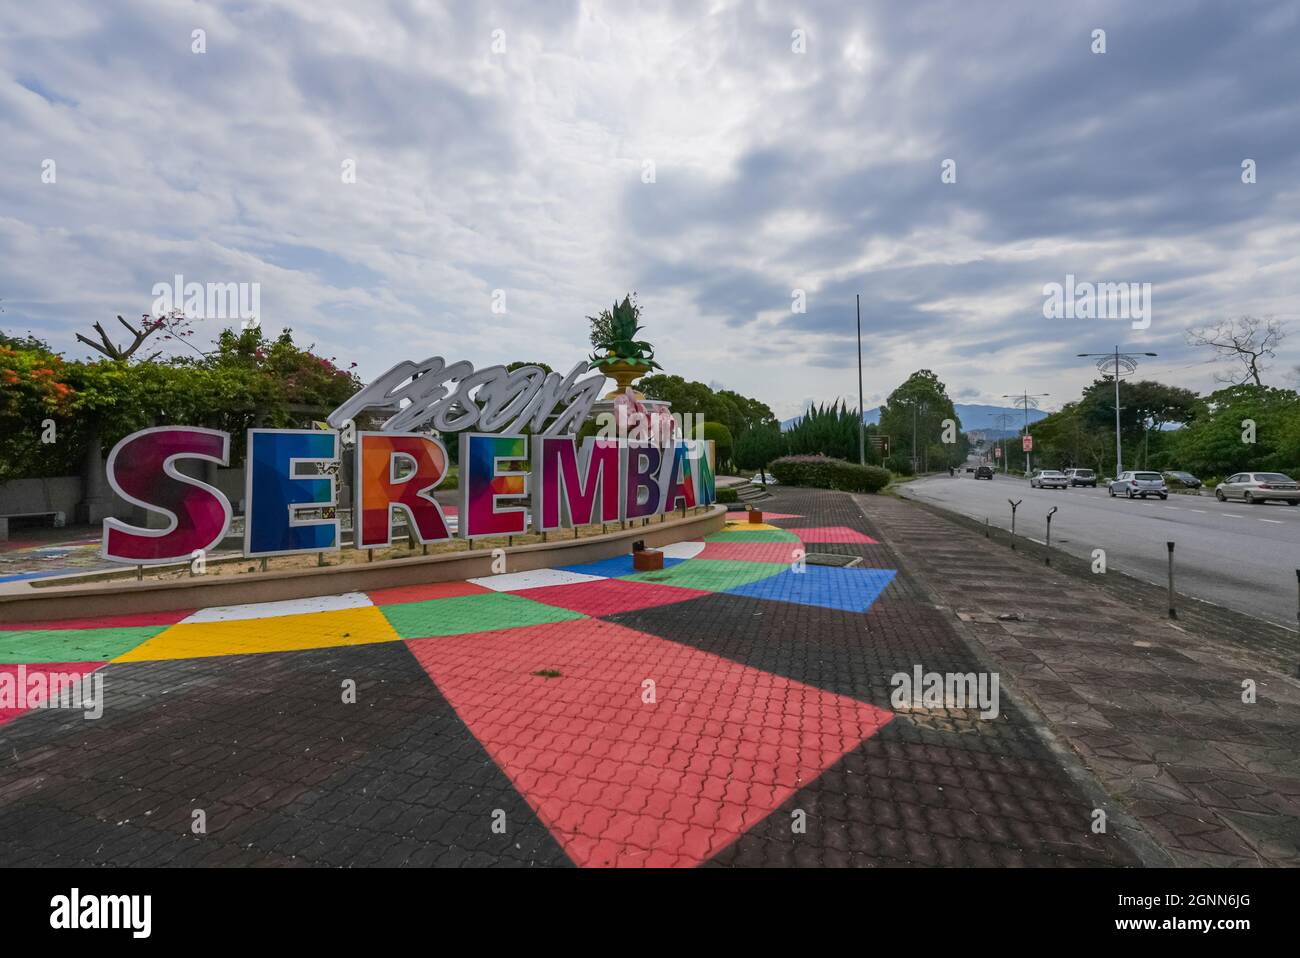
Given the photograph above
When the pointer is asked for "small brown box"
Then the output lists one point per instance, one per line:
(647, 560)
(755, 515)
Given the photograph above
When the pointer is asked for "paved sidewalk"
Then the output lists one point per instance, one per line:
(727, 711)
(1154, 709)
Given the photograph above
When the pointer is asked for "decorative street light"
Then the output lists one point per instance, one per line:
(1027, 402)
(1003, 419)
(862, 429)
(1116, 364)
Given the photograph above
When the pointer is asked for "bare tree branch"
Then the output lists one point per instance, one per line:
(1246, 340)
(110, 349)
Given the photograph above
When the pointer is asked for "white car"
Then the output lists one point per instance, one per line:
(1139, 485)
(1048, 479)
(1256, 487)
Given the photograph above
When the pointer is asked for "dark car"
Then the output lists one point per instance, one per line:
(984, 472)
(1185, 479)
(1081, 477)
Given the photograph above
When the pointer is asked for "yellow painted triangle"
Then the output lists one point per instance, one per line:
(285, 633)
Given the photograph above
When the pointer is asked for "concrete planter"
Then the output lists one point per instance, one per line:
(123, 598)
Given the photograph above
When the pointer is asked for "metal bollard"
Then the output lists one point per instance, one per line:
(1048, 560)
(1173, 613)
(1014, 506)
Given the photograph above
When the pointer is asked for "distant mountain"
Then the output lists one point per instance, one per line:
(972, 416)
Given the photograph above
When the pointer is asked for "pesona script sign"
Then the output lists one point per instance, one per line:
(289, 485)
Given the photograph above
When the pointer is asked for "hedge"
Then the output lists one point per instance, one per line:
(822, 472)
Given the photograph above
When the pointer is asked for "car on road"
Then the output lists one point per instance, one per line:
(1258, 487)
(1185, 479)
(1081, 477)
(1136, 485)
(984, 472)
(1048, 479)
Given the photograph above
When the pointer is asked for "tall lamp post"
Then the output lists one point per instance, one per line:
(1026, 402)
(1118, 364)
(862, 429)
(924, 407)
(1003, 419)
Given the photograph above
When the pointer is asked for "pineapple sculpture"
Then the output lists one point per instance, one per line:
(618, 354)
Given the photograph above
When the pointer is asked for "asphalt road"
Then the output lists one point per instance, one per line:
(1235, 555)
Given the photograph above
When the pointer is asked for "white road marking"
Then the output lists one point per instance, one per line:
(1277, 521)
(1201, 511)
(1233, 515)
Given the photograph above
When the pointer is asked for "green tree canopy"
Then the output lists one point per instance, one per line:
(1215, 443)
(724, 406)
(918, 408)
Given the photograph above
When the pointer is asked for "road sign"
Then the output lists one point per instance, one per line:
(997, 452)
(1027, 444)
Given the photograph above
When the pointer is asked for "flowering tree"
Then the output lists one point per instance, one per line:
(247, 380)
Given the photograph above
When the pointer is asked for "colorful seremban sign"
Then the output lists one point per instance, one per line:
(289, 475)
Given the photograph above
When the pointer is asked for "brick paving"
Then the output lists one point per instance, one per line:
(507, 722)
(1153, 708)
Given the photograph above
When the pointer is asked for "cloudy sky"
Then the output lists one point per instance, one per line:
(508, 147)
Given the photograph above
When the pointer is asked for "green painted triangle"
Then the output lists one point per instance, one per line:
(470, 613)
(72, 645)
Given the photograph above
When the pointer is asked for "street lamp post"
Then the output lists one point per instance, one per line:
(862, 429)
(925, 408)
(1128, 362)
(1003, 420)
(1025, 401)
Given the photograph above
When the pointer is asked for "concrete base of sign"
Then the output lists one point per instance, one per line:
(50, 603)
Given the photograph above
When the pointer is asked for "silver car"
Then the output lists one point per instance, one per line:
(1048, 479)
(1256, 487)
(1139, 485)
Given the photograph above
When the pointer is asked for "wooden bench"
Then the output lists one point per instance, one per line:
(59, 520)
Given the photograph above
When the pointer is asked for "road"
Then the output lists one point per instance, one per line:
(1239, 556)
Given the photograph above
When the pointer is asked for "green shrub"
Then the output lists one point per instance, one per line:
(728, 495)
(722, 442)
(899, 464)
(822, 472)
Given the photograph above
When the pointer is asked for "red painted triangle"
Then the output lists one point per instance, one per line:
(622, 781)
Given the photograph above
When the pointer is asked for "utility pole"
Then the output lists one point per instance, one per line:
(1117, 363)
(914, 438)
(1003, 420)
(922, 407)
(862, 442)
(1025, 401)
